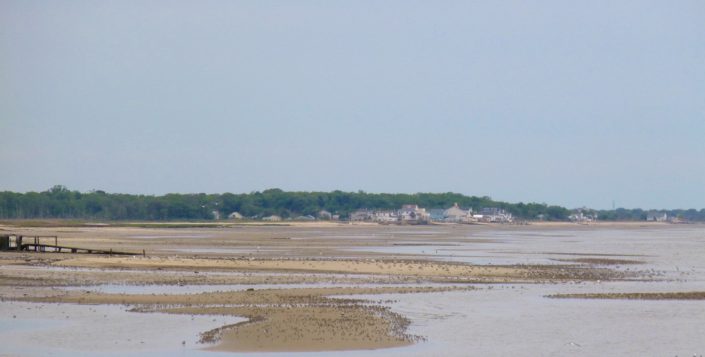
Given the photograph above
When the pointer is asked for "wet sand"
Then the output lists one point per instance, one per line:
(344, 287)
(306, 319)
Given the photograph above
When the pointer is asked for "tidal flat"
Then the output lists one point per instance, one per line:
(358, 290)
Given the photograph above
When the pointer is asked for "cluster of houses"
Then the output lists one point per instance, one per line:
(413, 214)
(322, 215)
(407, 214)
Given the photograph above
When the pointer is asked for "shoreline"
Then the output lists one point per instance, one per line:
(70, 223)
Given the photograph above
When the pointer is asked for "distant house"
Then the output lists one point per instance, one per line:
(494, 215)
(361, 215)
(235, 215)
(580, 217)
(215, 214)
(457, 214)
(413, 214)
(655, 216)
(272, 218)
(323, 214)
(307, 217)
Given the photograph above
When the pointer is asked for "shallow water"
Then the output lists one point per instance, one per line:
(522, 322)
(34, 329)
(675, 250)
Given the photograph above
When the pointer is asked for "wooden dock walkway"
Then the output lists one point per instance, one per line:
(35, 247)
(6, 244)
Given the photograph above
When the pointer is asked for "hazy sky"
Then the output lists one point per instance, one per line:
(576, 103)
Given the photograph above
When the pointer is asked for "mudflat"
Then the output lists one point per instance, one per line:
(331, 287)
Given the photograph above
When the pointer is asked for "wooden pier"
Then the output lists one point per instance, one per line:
(19, 243)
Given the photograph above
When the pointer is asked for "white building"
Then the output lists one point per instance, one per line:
(657, 217)
(580, 217)
(385, 217)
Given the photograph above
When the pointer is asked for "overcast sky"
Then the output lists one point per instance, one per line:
(577, 103)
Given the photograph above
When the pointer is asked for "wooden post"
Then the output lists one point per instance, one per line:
(56, 240)
(143, 253)
(5, 242)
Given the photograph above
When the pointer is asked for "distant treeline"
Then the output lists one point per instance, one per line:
(60, 202)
